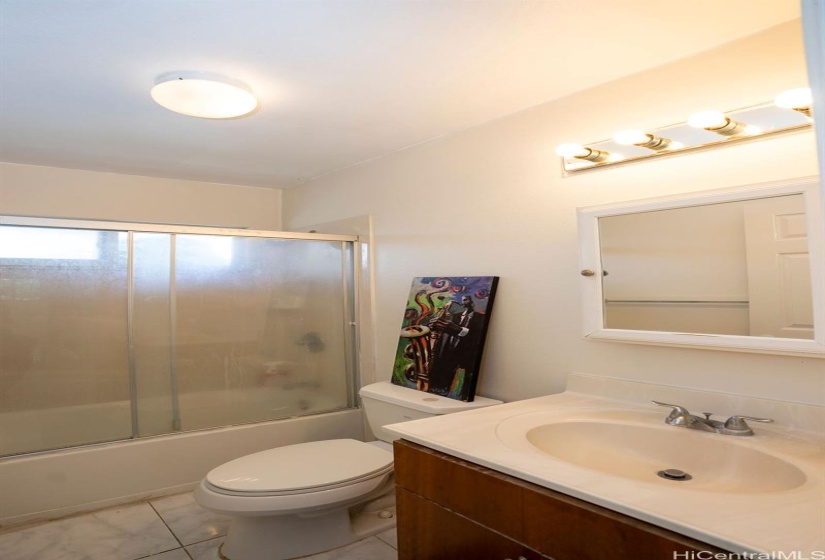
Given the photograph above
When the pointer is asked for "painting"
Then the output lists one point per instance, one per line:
(442, 334)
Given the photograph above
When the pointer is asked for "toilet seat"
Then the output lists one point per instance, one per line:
(340, 471)
(301, 468)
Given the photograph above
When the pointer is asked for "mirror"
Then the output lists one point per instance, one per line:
(739, 269)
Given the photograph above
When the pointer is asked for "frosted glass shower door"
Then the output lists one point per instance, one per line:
(112, 331)
(261, 328)
(64, 377)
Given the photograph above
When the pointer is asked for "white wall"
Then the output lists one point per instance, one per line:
(28, 190)
(491, 201)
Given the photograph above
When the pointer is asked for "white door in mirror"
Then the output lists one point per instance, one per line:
(779, 277)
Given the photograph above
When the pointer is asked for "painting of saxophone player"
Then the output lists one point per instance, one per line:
(442, 334)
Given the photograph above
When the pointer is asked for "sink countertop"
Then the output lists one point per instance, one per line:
(762, 522)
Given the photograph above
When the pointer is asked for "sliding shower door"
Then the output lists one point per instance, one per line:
(64, 376)
(122, 332)
(260, 328)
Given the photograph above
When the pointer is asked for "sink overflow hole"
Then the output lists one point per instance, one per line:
(674, 474)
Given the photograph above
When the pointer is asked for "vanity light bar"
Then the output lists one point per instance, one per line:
(577, 157)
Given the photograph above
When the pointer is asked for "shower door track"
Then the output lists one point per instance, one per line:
(168, 228)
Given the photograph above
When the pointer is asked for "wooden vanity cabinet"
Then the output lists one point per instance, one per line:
(452, 509)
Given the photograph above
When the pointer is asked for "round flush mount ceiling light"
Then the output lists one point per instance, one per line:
(203, 94)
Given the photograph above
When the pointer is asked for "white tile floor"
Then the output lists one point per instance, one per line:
(170, 528)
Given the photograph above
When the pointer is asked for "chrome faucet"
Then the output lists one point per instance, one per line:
(733, 426)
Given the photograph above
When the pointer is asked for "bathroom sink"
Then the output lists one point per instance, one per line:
(712, 462)
(746, 493)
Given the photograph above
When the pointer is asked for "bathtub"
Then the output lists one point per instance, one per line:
(53, 484)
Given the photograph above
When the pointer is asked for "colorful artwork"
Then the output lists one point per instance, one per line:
(442, 335)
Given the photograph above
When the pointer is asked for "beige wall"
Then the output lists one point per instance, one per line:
(491, 200)
(28, 190)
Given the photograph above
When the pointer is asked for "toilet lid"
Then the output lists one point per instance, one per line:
(301, 466)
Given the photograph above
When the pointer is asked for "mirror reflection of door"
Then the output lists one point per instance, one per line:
(779, 279)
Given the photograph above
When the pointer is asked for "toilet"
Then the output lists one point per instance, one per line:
(307, 498)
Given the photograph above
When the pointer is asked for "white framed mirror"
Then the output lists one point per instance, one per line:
(738, 269)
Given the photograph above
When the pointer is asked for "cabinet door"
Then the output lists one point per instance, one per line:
(485, 496)
(452, 509)
(427, 531)
(569, 529)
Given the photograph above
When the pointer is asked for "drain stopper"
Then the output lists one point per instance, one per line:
(674, 474)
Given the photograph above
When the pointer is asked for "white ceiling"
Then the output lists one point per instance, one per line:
(339, 81)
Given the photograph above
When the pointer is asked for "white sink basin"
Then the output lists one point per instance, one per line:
(715, 463)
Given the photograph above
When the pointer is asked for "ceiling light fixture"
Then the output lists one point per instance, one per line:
(203, 94)
(799, 99)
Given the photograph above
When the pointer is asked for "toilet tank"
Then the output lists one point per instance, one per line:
(385, 403)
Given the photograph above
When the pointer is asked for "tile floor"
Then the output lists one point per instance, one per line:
(169, 528)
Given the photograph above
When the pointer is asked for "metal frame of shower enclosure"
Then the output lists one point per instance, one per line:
(350, 276)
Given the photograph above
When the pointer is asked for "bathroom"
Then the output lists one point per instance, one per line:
(486, 200)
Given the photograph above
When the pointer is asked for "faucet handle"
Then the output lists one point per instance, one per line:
(736, 425)
(678, 409)
(679, 416)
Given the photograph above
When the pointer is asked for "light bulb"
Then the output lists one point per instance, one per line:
(571, 150)
(631, 137)
(579, 152)
(794, 98)
(707, 119)
(717, 122)
(642, 139)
